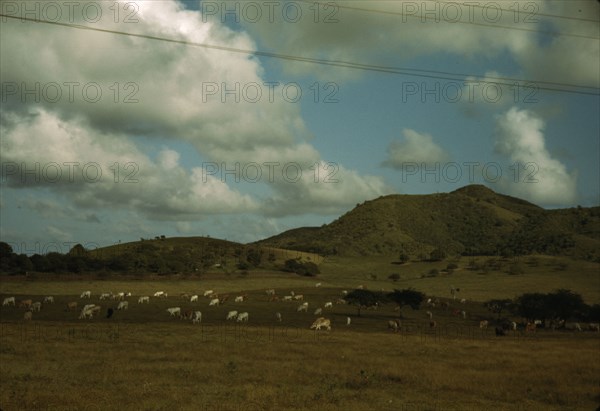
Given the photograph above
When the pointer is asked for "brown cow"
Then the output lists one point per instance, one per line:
(72, 306)
(25, 304)
(27, 316)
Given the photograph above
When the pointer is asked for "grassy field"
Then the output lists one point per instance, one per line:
(143, 359)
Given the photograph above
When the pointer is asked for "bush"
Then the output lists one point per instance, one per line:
(394, 277)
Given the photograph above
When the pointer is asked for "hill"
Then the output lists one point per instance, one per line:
(473, 220)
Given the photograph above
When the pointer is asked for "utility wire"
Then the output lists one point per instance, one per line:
(335, 63)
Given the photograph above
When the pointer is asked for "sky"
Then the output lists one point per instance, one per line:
(240, 120)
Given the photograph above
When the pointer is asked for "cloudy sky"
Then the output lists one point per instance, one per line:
(240, 120)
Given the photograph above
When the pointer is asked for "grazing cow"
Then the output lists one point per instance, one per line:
(429, 301)
(36, 306)
(274, 298)
(573, 326)
(318, 311)
(500, 332)
(8, 301)
(72, 306)
(394, 325)
(483, 324)
(109, 313)
(144, 299)
(105, 296)
(278, 316)
(594, 327)
(193, 298)
(302, 307)
(207, 293)
(86, 314)
(463, 314)
(530, 327)
(214, 301)
(123, 305)
(348, 320)
(96, 309)
(232, 315)
(299, 297)
(287, 298)
(321, 322)
(317, 285)
(48, 299)
(242, 317)
(88, 307)
(120, 296)
(513, 326)
(328, 304)
(25, 304)
(239, 299)
(270, 292)
(344, 292)
(184, 296)
(223, 299)
(429, 314)
(86, 294)
(197, 317)
(27, 316)
(159, 293)
(187, 315)
(432, 324)
(340, 301)
(463, 300)
(174, 311)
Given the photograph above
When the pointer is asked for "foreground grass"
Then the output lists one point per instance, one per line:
(194, 367)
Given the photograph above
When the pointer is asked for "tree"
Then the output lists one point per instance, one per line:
(404, 258)
(497, 306)
(394, 277)
(364, 298)
(437, 255)
(408, 296)
(532, 306)
(563, 304)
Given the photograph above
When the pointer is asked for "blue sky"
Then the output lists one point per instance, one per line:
(179, 157)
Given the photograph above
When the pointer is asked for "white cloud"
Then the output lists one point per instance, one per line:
(543, 180)
(415, 148)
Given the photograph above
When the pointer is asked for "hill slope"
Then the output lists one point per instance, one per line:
(473, 220)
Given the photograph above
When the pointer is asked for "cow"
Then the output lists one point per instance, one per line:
(8, 301)
(105, 296)
(348, 320)
(27, 316)
(328, 304)
(340, 301)
(232, 315)
(123, 305)
(223, 299)
(242, 317)
(594, 327)
(270, 292)
(429, 314)
(463, 301)
(174, 311)
(292, 293)
(317, 285)
(573, 326)
(360, 287)
(48, 299)
(159, 293)
(463, 314)
(274, 298)
(344, 292)
(394, 325)
(25, 304)
(120, 296)
(299, 297)
(318, 311)
(86, 314)
(530, 327)
(86, 294)
(432, 324)
(321, 322)
(194, 298)
(278, 316)
(144, 299)
(287, 298)
(483, 324)
(88, 307)
(36, 306)
(207, 293)
(197, 317)
(184, 296)
(187, 315)
(72, 306)
(513, 326)
(302, 307)
(239, 299)
(214, 301)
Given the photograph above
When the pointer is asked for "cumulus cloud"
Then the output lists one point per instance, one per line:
(415, 148)
(543, 179)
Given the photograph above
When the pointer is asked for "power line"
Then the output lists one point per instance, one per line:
(335, 63)
(437, 19)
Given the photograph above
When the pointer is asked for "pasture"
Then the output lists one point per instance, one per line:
(142, 358)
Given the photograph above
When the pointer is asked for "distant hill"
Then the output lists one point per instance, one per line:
(473, 220)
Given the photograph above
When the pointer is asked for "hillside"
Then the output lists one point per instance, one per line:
(472, 220)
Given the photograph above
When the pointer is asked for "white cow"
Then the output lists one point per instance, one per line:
(302, 307)
(193, 298)
(144, 299)
(120, 296)
(88, 307)
(299, 297)
(348, 320)
(321, 322)
(232, 315)
(36, 306)
(319, 311)
(513, 325)
(463, 301)
(344, 292)
(159, 293)
(594, 327)
(394, 325)
(207, 293)
(270, 292)
(317, 285)
(86, 294)
(340, 301)
(328, 304)
(239, 299)
(464, 314)
(49, 299)
(123, 305)
(197, 317)
(278, 316)
(287, 298)
(174, 311)
(105, 296)
(8, 300)
(429, 314)
(214, 301)
(86, 313)
(242, 317)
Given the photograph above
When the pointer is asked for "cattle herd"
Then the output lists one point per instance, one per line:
(91, 310)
